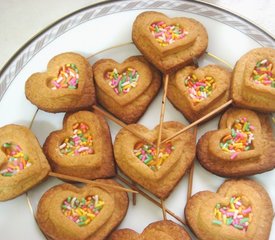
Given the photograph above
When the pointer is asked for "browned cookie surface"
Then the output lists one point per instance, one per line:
(126, 89)
(210, 217)
(83, 148)
(67, 85)
(188, 40)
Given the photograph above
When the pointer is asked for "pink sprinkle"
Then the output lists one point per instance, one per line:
(18, 148)
(248, 210)
(143, 158)
(82, 149)
(234, 155)
(56, 84)
(21, 167)
(229, 214)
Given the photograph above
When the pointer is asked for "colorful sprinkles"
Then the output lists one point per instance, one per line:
(240, 139)
(82, 211)
(17, 160)
(80, 143)
(262, 73)
(68, 77)
(147, 154)
(122, 83)
(166, 34)
(199, 89)
(235, 214)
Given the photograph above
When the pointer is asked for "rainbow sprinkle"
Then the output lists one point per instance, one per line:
(122, 83)
(199, 89)
(17, 160)
(166, 34)
(235, 214)
(82, 211)
(80, 143)
(262, 73)
(68, 77)
(147, 154)
(240, 139)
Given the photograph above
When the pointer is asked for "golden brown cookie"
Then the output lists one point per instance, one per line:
(162, 230)
(242, 146)
(241, 209)
(138, 160)
(67, 85)
(198, 91)
(83, 148)
(22, 162)
(89, 213)
(169, 43)
(126, 89)
(253, 83)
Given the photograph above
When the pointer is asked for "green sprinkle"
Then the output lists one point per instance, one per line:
(229, 221)
(238, 226)
(7, 145)
(149, 159)
(247, 148)
(217, 222)
(8, 174)
(81, 223)
(244, 220)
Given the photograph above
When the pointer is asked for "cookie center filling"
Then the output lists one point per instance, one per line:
(262, 73)
(240, 139)
(166, 34)
(82, 211)
(16, 160)
(235, 214)
(122, 83)
(199, 89)
(147, 154)
(68, 77)
(80, 143)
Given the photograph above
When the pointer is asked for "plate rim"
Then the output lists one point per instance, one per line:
(94, 5)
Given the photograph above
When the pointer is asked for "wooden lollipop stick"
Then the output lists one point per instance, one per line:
(198, 121)
(134, 195)
(190, 181)
(82, 180)
(122, 124)
(191, 174)
(150, 199)
(32, 211)
(163, 209)
(166, 79)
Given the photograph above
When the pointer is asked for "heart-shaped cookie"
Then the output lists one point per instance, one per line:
(169, 43)
(138, 160)
(126, 89)
(83, 148)
(197, 91)
(68, 212)
(241, 209)
(163, 230)
(67, 85)
(242, 146)
(253, 83)
(22, 162)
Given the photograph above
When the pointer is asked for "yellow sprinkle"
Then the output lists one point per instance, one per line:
(224, 218)
(219, 215)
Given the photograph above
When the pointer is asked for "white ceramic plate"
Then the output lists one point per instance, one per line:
(90, 31)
